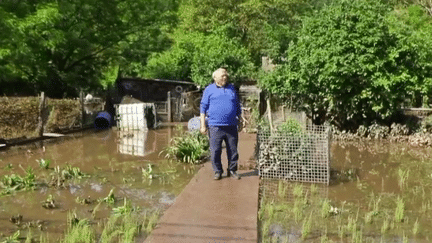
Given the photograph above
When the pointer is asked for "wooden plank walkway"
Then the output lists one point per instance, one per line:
(214, 211)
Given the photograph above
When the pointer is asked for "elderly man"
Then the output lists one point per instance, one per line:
(221, 104)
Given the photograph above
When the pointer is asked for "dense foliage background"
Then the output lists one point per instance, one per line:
(346, 62)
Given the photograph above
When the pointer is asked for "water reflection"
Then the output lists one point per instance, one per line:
(135, 142)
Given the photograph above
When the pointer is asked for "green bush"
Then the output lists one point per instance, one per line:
(291, 126)
(195, 56)
(353, 63)
(188, 147)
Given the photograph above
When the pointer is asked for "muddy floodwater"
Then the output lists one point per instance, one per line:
(379, 191)
(111, 160)
(383, 176)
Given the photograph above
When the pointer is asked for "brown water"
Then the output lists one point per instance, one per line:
(373, 188)
(113, 159)
(379, 165)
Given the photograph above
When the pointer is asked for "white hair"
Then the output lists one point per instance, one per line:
(219, 70)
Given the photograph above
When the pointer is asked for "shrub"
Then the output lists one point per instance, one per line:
(291, 126)
(188, 147)
(353, 64)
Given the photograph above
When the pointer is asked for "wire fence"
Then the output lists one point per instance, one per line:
(302, 156)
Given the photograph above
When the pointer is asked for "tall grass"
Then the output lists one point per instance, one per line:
(79, 230)
(124, 225)
(400, 208)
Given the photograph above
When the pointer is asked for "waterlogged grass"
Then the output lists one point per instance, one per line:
(29, 181)
(187, 147)
(312, 216)
(396, 205)
(57, 185)
(124, 225)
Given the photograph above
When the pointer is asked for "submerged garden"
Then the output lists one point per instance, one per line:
(90, 187)
(356, 67)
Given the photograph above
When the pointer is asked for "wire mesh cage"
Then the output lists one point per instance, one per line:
(302, 156)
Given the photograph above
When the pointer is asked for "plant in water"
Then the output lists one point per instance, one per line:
(188, 147)
(307, 225)
(59, 175)
(403, 177)
(148, 173)
(399, 212)
(324, 237)
(314, 189)
(297, 210)
(416, 227)
(8, 166)
(83, 201)
(16, 183)
(341, 231)
(49, 202)
(281, 189)
(151, 221)
(13, 238)
(79, 230)
(270, 210)
(125, 209)
(369, 217)
(385, 226)
(29, 237)
(325, 208)
(298, 190)
(44, 164)
(70, 172)
(110, 199)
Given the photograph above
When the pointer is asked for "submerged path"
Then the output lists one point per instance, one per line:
(214, 211)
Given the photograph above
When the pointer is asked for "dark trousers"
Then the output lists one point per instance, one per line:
(229, 134)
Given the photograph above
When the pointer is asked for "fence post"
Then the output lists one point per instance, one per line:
(269, 112)
(283, 113)
(41, 119)
(82, 109)
(169, 106)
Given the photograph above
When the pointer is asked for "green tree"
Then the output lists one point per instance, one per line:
(413, 28)
(63, 46)
(195, 56)
(347, 67)
(264, 27)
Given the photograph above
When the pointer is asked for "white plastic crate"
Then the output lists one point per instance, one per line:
(133, 116)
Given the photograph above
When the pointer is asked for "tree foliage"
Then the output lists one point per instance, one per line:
(195, 56)
(264, 27)
(348, 66)
(62, 46)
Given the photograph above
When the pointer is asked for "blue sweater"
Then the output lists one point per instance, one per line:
(221, 105)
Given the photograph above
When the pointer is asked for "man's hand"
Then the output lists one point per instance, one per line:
(203, 128)
(241, 123)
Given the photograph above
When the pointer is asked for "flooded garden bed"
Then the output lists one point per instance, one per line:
(379, 191)
(110, 184)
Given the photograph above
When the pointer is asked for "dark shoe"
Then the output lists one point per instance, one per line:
(217, 176)
(233, 174)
